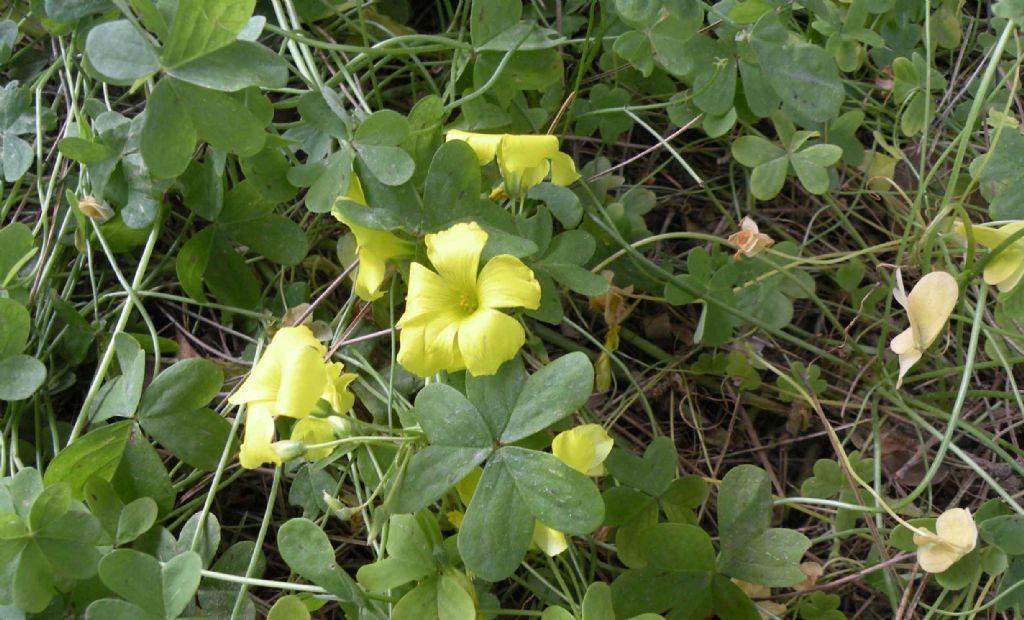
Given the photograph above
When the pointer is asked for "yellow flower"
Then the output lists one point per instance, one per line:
(451, 319)
(524, 160)
(288, 380)
(928, 307)
(955, 536)
(584, 448)
(374, 248)
(1005, 269)
(750, 240)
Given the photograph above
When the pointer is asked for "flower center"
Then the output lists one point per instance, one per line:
(468, 302)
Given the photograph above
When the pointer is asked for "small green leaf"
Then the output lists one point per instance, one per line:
(186, 386)
(136, 518)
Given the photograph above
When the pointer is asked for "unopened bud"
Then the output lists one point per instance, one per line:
(94, 209)
(289, 450)
(340, 426)
(322, 409)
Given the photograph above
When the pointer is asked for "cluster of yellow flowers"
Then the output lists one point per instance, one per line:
(453, 321)
(290, 379)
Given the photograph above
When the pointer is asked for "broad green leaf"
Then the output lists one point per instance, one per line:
(238, 65)
(554, 493)
(682, 497)
(438, 598)
(562, 201)
(196, 436)
(51, 504)
(494, 396)
(74, 10)
(168, 135)
(16, 246)
(962, 573)
(83, 151)
(597, 602)
(805, 77)
(752, 151)
(123, 397)
(190, 265)
(638, 13)
(141, 473)
(489, 19)
(331, 183)
(205, 544)
(549, 395)
(744, 507)
(498, 526)
(306, 549)
(730, 602)
(449, 419)
(230, 278)
(562, 262)
(15, 323)
(203, 26)
(410, 557)
(275, 237)
(767, 179)
(1005, 532)
(162, 590)
(15, 156)
(452, 189)
(288, 607)
(116, 609)
(95, 454)
(390, 164)
(432, 472)
(651, 474)
(220, 119)
(382, 128)
(186, 386)
(771, 558)
(120, 53)
(677, 546)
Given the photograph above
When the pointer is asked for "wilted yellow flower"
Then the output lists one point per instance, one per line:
(374, 248)
(288, 380)
(94, 209)
(1005, 269)
(584, 448)
(452, 319)
(928, 307)
(750, 240)
(524, 160)
(955, 536)
(766, 609)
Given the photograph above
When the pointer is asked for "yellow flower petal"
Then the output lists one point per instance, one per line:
(426, 349)
(928, 306)
(428, 297)
(955, 536)
(336, 390)
(524, 160)
(312, 431)
(584, 448)
(467, 486)
(563, 170)
(485, 145)
(256, 446)
(303, 378)
(455, 254)
(355, 190)
(1006, 269)
(505, 282)
(488, 339)
(552, 542)
(264, 382)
